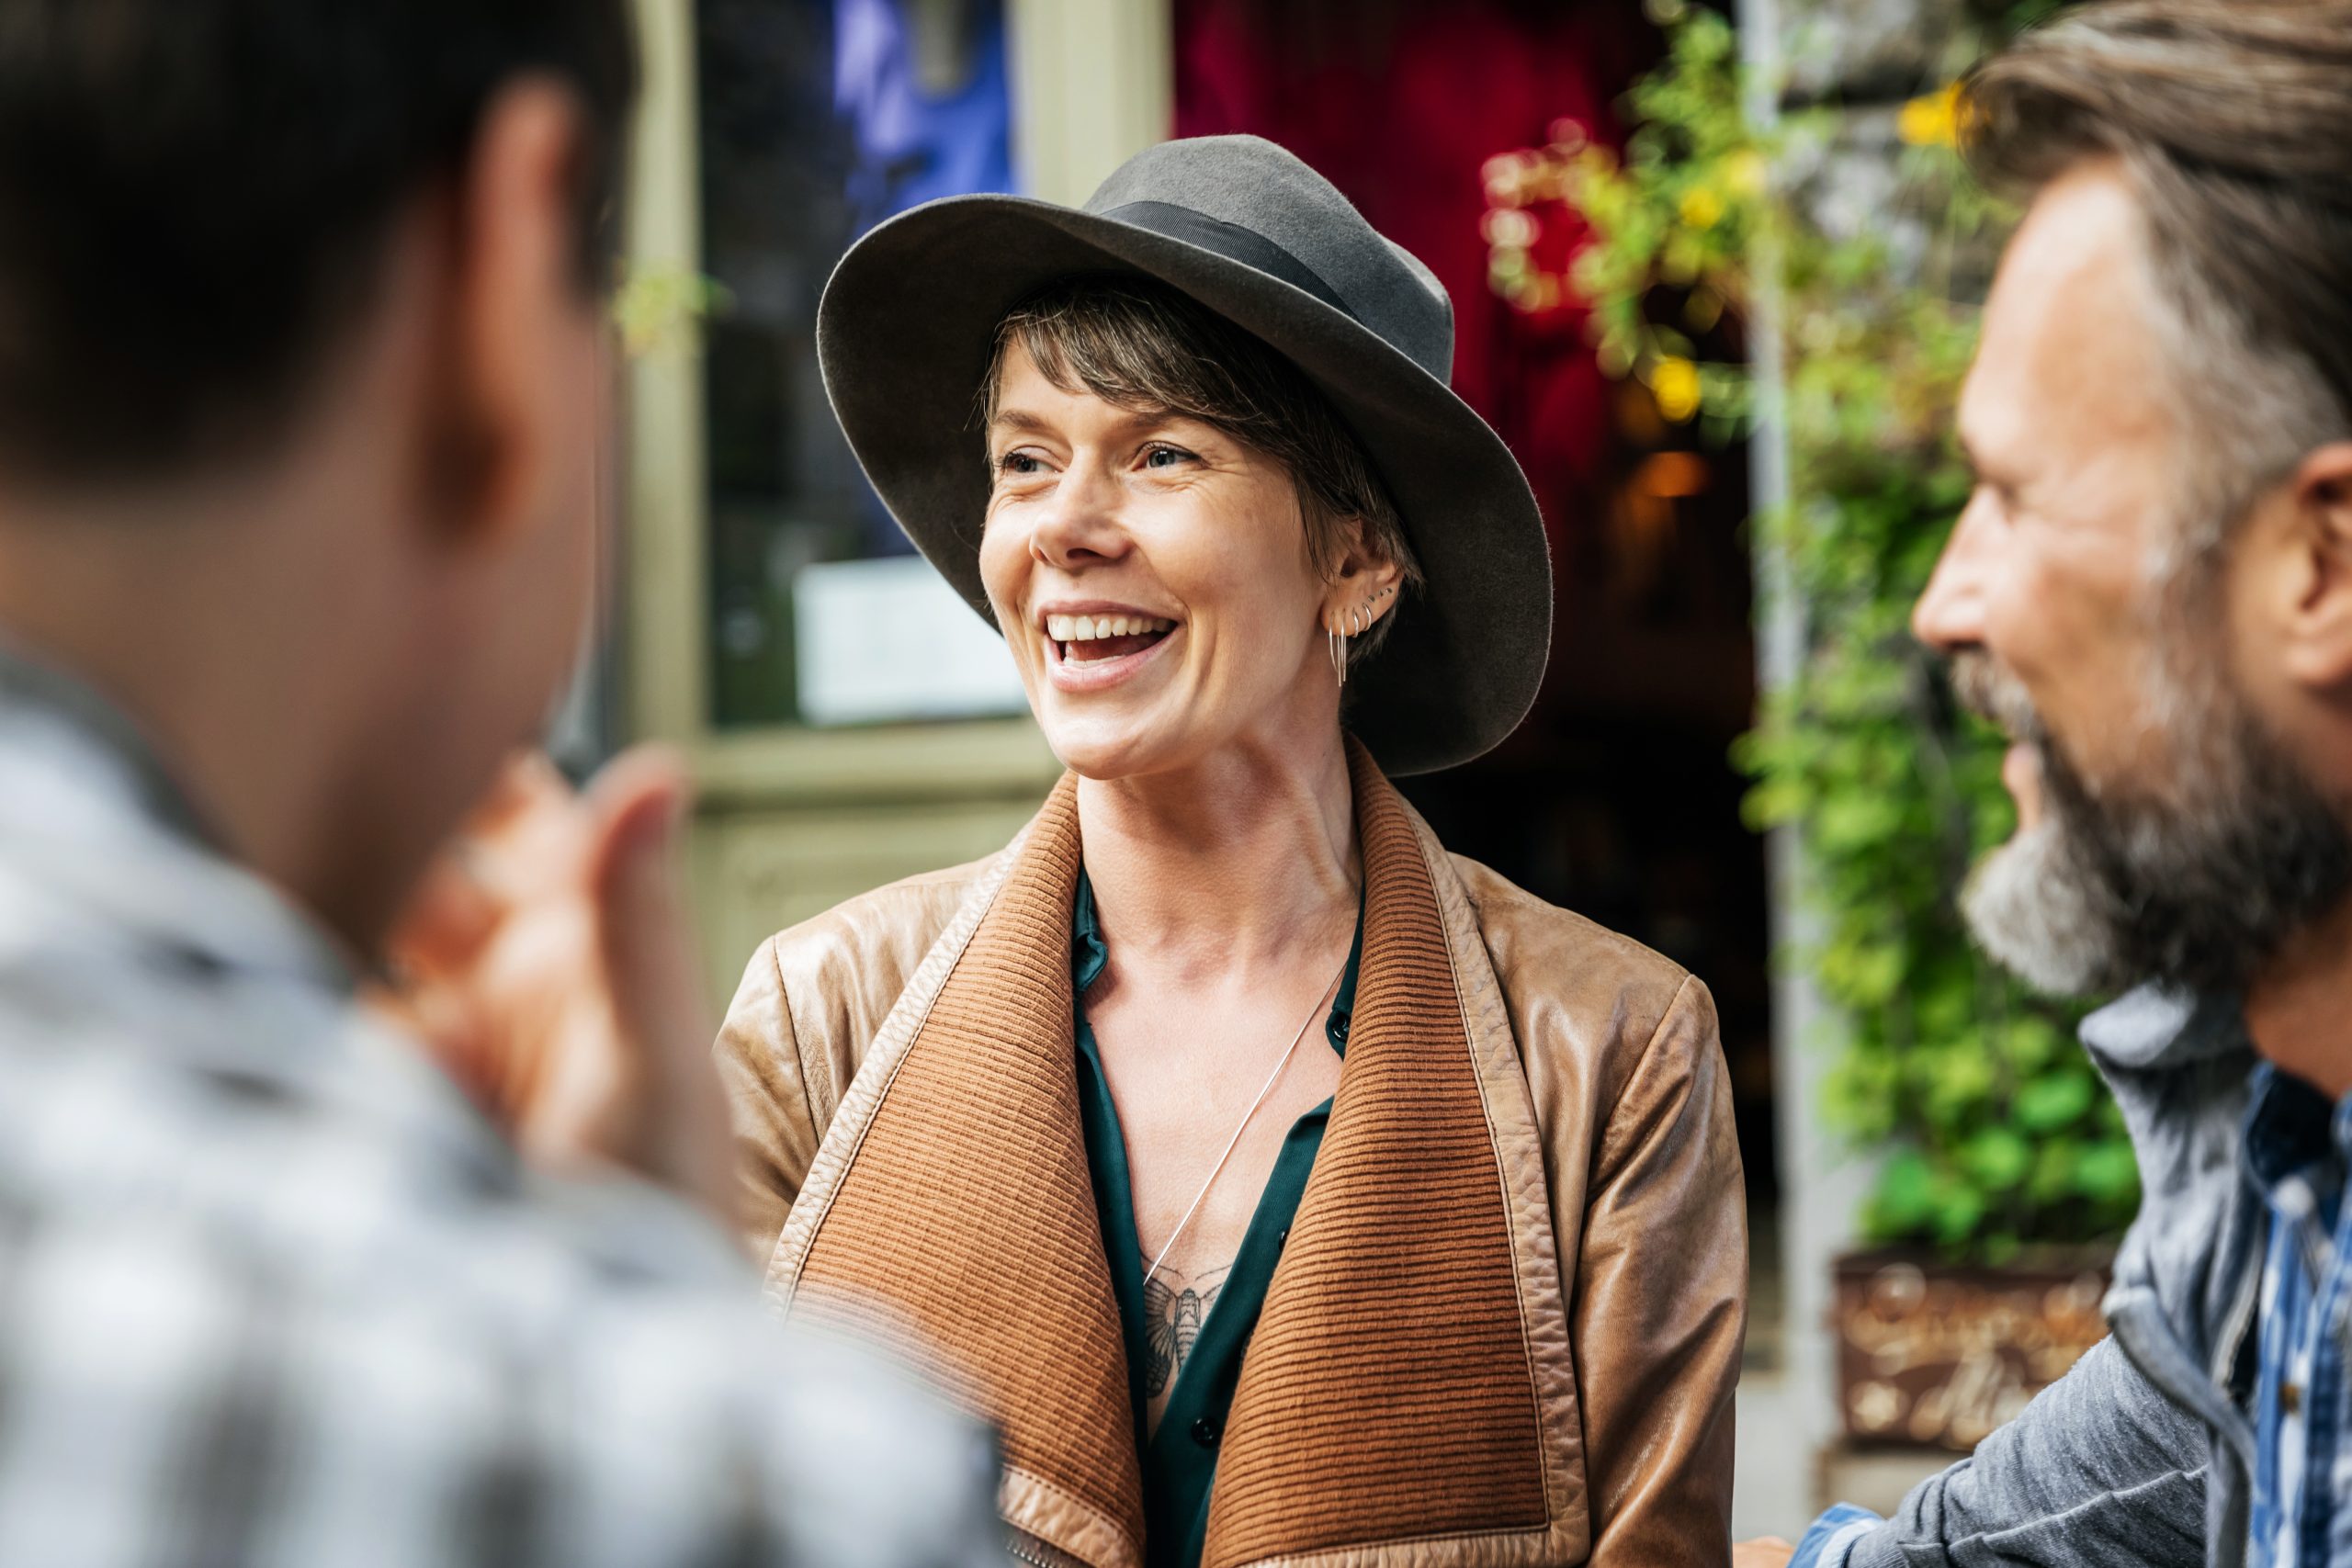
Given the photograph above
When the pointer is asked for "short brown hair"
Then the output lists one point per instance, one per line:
(1137, 344)
(2235, 121)
(196, 195)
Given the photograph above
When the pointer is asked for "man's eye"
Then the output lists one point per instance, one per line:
(1165, 456)
(1993, 500)
(1017, 463)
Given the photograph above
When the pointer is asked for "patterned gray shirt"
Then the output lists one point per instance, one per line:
(272, 1292)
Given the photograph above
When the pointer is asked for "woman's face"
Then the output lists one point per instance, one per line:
(1152, 577)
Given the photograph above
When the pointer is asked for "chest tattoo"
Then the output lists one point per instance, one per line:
(1174, 1307)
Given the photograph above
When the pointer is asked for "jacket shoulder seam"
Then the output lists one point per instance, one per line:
(800, 1041)
(1640, 1066)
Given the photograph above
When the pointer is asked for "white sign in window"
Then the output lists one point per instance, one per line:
(878, 641)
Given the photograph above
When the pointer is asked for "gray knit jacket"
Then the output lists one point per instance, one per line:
(2142, 1453)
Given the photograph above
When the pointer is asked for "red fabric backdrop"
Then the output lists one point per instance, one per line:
(1400, 103)
(1615, 798)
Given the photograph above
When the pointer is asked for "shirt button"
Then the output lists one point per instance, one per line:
(1340, 1028)
(1282, 1240)
(1204, 1432)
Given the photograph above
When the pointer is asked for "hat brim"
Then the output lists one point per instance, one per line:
(904, 334)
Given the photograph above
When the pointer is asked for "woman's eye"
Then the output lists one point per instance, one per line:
(1017, 463)
(1165, 456)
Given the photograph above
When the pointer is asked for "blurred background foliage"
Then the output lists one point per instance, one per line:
(1995, 1134)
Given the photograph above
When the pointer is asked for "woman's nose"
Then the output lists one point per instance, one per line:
(1081, 519)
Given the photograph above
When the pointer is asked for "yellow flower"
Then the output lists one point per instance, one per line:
(1932, 121)
(1675, 382)
(662, 310)
(1745, 171)
(1701, 207)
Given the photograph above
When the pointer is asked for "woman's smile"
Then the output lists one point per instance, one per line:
(1095, 647)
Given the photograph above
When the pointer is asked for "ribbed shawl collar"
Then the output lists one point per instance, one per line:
(1388, 1392)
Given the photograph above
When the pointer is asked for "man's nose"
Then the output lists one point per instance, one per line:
(1950, 614)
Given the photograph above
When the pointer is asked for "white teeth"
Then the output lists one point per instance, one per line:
(1089, 629)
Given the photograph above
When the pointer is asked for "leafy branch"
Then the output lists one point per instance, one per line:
(1998, 1133)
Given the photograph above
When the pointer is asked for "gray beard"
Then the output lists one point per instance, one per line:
(2198, 889)
(2030, 909)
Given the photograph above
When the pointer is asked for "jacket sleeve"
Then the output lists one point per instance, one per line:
(767, 1092)
(2100, 1468)
(1661, 1303)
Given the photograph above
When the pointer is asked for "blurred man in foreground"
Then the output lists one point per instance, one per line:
(302, 373)
(2151, 591)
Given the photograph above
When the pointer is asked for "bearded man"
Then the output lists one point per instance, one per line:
(2151, 591)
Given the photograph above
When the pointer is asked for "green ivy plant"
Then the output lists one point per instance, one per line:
(1996, 1133)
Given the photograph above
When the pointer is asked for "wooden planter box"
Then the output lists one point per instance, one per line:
(1938, 1354)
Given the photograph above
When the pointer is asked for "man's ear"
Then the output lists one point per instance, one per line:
(2318, 526)
(513, 352)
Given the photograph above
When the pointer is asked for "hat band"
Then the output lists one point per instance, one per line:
(1232, 241)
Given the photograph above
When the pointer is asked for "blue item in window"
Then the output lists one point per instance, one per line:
(916, 143)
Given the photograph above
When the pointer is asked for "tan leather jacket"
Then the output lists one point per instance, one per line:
(1506, 1328)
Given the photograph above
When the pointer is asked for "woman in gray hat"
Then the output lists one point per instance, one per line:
(1281, 1186)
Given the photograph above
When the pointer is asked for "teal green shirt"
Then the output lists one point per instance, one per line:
(1179, 1459)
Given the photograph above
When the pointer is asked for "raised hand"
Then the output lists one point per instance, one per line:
(546, 961)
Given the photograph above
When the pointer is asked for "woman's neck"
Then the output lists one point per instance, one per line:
(1243, 861)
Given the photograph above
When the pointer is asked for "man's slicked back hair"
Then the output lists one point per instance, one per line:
(2233, 119)
(195, 197)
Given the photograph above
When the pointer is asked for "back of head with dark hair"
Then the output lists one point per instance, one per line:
(195, 197)
(2235, 120)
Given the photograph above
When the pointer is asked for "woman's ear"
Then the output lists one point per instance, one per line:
(1364, 588)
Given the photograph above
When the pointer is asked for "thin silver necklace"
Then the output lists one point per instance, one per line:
(1329, 991)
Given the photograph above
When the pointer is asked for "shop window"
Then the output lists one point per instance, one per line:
(818, 119)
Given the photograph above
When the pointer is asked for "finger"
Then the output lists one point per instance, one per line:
(531, 838)
(642, 926)
(648, 953)
(457, 904)
(633, 782)
(450, 918)
(528, 781)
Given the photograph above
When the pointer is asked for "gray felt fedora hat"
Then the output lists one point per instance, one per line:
(909, 321)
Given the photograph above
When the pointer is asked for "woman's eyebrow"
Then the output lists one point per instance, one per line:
(1020, 421)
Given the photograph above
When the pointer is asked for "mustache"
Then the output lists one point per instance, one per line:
(1992, 694)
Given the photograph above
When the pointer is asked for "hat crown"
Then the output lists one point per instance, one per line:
(1249, 184)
